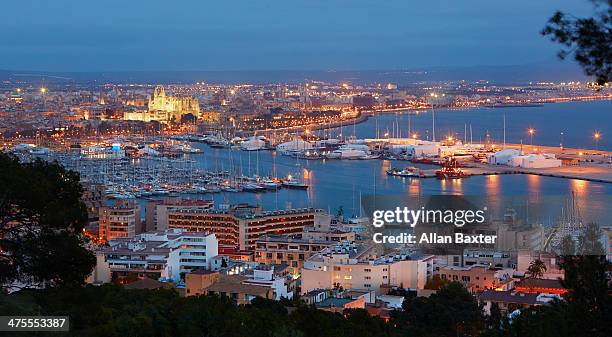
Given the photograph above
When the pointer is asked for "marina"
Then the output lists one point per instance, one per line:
(304, 171)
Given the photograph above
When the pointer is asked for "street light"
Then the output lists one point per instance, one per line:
(596, 136)
(531, 132)
(433, 116)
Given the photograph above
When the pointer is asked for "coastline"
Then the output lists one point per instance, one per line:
(366, 114)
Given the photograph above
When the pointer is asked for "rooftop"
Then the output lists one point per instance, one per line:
(540, 283)
(334, 302)
(509, 297)
(145, 283)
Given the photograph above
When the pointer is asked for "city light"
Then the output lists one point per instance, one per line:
(531, 132)
(596, 136)
(43, 90)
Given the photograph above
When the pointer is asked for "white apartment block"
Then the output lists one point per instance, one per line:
(263, 276)
(159, 255)
(355, 268)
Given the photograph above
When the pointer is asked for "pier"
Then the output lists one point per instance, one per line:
(586, 171)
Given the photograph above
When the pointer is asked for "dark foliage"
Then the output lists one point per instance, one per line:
(41, 222)
(589, 39)
(110, 310)
(452, 311)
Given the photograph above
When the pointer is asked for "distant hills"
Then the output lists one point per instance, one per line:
(498, 74)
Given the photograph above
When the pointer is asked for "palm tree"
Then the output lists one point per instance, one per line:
(536, 268)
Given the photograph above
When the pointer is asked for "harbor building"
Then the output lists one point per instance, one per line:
(165, 109)
(119, 220)
(158, 255)
(354, 267)
(240, 225)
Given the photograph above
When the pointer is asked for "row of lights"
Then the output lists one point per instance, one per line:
(42, 90)
(596, 136)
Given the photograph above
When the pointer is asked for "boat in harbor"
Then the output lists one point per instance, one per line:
(407, 172)
(159, 191)
(451, 170)
(270, 184)
(251, 187)
(294, 184)
(351, 151)
(254, 143)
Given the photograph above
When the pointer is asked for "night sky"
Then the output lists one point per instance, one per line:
(123, 35)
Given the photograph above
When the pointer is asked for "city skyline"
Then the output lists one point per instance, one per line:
(337, 35)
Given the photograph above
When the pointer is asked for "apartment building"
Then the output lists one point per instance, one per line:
(551, 261)
(158, 255)
(119, 220)
(261, 281)
(285, 249)
(477, 278)
(476, 256)
(93, 197)
(510, 300)
(354, 267)
(241, 225)
(156, 211)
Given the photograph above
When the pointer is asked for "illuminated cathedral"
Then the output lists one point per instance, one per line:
(164, 108)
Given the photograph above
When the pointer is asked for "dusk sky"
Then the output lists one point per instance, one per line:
(115, 35)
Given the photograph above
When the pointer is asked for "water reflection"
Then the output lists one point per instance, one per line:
(335, 183)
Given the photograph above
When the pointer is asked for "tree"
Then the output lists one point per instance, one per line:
(452, 311)
(435, 282)
(587, 306)
(497, 323)
(589, 39)
(589, 241)
(568, 246)
(41, 222)
(536, 268)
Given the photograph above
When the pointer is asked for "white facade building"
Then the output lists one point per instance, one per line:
(264, 276)
(536, 161)
(353, 267)
(158, 255)
(503, 157)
